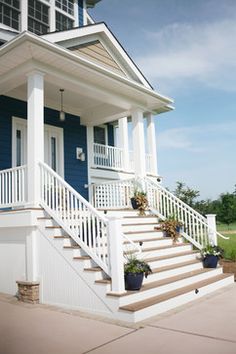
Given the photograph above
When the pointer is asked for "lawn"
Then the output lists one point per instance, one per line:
(225, 227)
(229, 246)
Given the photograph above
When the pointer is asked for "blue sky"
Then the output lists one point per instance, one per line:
(187, 50)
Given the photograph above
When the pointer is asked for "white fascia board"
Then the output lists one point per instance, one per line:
(108, 37)
(67, 54)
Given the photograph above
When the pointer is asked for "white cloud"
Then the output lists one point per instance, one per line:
(196, 138)
(205, 53)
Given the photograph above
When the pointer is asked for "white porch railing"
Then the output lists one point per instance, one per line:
(109, 157)
(161, 201)
(113, 195)
(13, 187)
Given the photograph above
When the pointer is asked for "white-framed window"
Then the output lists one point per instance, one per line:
(66, 5)
(100, 134)
(10, 13)
(38, 17)
(63, 22)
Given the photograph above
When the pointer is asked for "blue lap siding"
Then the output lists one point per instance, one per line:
(76, 171)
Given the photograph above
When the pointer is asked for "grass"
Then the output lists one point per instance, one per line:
(229, 245)
(225, 227)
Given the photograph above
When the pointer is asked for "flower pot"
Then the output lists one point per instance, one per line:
(210, 261)
(134, 203)
(133, 281)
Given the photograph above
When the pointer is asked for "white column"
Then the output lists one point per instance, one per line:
(35, 134)
(138, 143)
(31, 256)
(124, 141)
(52, 16)
(151, 138)
(211, 221)
(24, 16)
(116, 255)
(90, 158)
(76, 14)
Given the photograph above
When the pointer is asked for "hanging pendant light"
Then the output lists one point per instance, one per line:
(62, 115)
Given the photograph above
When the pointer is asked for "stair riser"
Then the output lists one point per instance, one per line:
(143, 295)
(137, 221)
(142, 235)
(177, 301)
(120, 213)
(171, 273)
(155, 243)
(138, 227)
(165, 251)
(174, 260)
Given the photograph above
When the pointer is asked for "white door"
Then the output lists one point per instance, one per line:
(53, 145)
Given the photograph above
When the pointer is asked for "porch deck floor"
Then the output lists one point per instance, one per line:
(207, 325)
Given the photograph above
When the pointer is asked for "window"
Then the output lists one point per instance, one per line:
(100, 135)
(18, 147)
(63, 22)
(66, 5)
(38, 17)
(10, 13)
(53, 153)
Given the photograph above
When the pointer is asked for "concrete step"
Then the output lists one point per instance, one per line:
(147, 308)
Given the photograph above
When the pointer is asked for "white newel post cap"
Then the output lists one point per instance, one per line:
(211, 221)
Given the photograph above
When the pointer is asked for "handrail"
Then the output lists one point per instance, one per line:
(196, 228)
(13, 186)
(87, 226)
(76, 216)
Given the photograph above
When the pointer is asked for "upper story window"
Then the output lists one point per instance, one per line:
(38, 17)
(66, 5)
(63, 22)
(10, 13)
(100, 134)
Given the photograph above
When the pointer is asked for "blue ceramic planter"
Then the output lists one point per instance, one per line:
(133, 281)
(210, 261)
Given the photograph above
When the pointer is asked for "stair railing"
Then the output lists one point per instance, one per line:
(165, 204)
(99, 236)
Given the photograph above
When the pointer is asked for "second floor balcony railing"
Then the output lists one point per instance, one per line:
(112, 158)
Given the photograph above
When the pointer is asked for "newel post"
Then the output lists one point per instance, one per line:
(116, 255)
(211, 221)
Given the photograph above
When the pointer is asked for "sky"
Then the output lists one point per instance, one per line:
(187, 50)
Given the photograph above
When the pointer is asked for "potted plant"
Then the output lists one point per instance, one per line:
(134, 271)
(172, 227)
(139, 201)
(211, 255)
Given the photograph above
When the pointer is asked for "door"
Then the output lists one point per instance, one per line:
(53, 145)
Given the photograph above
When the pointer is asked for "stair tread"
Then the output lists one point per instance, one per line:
(174, 266)
(72, 247)
(62, 236)
(140, 232)
(148, 239)
(82, 257)
(54, 227)
(143, 223)
(140, 305)
(174, 255)
(93, 269)
(140, 216)
(163, 247)
(162, 282)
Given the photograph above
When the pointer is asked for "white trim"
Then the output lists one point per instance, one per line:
(49, 131)
(104, 33)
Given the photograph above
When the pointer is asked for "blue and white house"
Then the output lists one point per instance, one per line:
(77, 135)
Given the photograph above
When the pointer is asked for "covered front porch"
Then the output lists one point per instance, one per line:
(33, 71)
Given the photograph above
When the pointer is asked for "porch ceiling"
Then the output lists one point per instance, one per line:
(92, 92)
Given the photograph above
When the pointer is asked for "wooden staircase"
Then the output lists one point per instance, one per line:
(178, 275)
